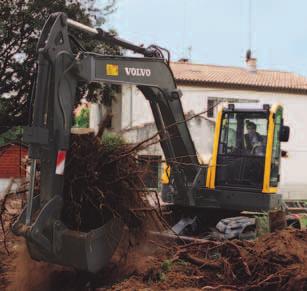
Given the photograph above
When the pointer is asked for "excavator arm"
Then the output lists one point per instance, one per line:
(155, 80)
(59, 70)
(48, 135)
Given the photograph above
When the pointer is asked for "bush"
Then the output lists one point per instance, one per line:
(111, 141)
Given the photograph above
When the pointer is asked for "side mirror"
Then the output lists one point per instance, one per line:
(284, 133)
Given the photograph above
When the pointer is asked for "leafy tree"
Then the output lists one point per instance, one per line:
(20, 24)
(83, 119)
(11, 135)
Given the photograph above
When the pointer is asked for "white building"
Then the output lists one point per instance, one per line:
(204, 86)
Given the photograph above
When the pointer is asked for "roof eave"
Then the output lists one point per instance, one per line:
(17, 143)
(198, 83)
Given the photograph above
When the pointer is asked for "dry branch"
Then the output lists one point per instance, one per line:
(102, 181)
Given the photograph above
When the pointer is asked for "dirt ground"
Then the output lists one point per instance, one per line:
(276, 261)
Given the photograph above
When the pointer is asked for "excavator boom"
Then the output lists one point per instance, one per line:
(48, 136)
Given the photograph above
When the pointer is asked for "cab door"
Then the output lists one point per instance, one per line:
(241, 154)
(272, 163)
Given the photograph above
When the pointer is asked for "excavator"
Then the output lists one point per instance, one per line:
(238, 178)
(238, 169)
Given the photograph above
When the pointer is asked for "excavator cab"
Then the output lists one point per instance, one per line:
(243, 173)
(248, 148)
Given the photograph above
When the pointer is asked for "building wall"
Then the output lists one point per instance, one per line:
(196, 126)
(135, 112)
(10, 161)
(130, 108)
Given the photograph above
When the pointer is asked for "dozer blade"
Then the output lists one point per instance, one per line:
(48, 239)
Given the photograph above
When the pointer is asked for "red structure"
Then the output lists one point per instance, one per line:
(11, 156)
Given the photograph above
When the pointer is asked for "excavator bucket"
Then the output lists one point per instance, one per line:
(48, 239)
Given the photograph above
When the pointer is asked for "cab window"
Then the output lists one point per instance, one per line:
(244, 134)
(241, 152)
(274, 179)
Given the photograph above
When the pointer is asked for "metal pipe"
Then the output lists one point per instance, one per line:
(80, 26)
(171, 236)
(108, 38)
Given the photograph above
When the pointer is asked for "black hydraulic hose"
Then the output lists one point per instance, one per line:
(59, 83)
(113, 40)
(32, 97)
(76, 42)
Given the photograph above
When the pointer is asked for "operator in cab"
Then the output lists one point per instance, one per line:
(254, 142)
(167, 191)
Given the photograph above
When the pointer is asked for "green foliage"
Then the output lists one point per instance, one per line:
(112, 140)
(161, 276)
(20, 25)
(182, 262)
(166, 265)
(83, 119)
(262, 224)
(303, 222)
(10, 135)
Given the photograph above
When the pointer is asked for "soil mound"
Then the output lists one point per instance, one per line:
(276, 261)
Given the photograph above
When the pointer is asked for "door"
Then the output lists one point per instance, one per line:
(241, 152)
(275, 163)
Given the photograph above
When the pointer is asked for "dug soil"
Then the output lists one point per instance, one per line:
(275, 261)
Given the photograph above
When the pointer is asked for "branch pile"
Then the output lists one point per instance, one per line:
(103, 179)
(276, 261)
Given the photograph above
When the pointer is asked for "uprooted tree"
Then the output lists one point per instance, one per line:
(20, 25)
(104, 179)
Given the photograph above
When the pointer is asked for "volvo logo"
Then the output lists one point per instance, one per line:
(137, 72)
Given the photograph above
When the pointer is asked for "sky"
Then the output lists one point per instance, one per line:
(219, 31)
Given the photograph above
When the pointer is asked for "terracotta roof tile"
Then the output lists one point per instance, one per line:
(238, 77)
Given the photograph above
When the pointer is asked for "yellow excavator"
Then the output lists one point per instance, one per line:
(241, 176)
(243, 173)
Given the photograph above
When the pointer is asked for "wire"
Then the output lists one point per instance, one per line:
(184, 31)
(250, 24)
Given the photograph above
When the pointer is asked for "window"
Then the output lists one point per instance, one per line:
(241, 152)
(243, 134)
(228, 135)
(109, 122)
(210, 107)
(152, 166)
